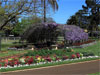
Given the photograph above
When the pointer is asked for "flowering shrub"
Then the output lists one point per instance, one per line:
(74, 33)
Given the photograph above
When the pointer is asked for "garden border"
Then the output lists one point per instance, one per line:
(84, 45)
(24, 68)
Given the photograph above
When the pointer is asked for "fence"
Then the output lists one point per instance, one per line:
(10, 39)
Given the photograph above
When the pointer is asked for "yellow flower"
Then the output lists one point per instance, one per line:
(39, 58)
(9, 59)
(86, 30)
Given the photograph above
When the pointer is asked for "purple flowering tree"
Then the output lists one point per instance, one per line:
(74, 33)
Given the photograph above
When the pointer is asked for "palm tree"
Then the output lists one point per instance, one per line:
(53, 4)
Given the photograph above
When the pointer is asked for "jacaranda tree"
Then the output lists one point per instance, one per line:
(74, 33)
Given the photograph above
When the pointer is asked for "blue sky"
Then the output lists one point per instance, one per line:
(66, 9)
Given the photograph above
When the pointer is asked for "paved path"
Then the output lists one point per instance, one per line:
(68, 69)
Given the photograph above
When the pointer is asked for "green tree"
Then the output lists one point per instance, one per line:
(88, 17)
(24, 24)
(72, 20)
(92, 8)
(11, 9)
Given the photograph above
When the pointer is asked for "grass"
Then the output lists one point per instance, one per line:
(47, 64)
(5, 44)
(4, 48)
(11, 53)
(93, 48)
(98, 73)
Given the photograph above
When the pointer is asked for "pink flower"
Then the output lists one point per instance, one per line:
(6, 61)
(37, 56)
(48, 59)
(78, 55)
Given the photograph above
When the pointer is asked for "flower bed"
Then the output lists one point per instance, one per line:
(27, 60)
(86, 42)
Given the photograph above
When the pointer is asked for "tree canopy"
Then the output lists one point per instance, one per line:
(88, 17)
(12, 10)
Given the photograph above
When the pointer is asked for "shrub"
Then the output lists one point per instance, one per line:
(42, 35)
(88, 54)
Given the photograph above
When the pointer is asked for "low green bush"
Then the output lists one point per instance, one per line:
(88, 54)
(49, 52)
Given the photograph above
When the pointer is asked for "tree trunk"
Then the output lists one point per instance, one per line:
(44, 11)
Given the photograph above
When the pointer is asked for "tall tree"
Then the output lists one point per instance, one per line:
(89, 16)
(72, 20)
(53, 4)
(92, 8)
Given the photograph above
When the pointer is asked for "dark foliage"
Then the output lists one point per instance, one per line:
(41, 35)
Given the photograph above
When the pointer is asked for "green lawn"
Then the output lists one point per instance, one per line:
(11, 53)
(93, 48)
(98, 73)
(4, 48)
(5, 44)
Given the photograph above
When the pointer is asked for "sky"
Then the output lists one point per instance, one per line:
(66, 9)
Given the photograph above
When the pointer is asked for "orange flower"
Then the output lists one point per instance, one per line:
(72, 50)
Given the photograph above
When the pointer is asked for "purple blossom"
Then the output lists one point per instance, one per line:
(74, 33)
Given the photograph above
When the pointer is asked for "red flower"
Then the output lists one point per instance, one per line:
(65, 57)
(78, 55)
(16, 63)
(27, 56)
(11, 63)
(5, 65)
(0, 65)
(48, 59)
(73, 56)
(57, 58)
(30, 61)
